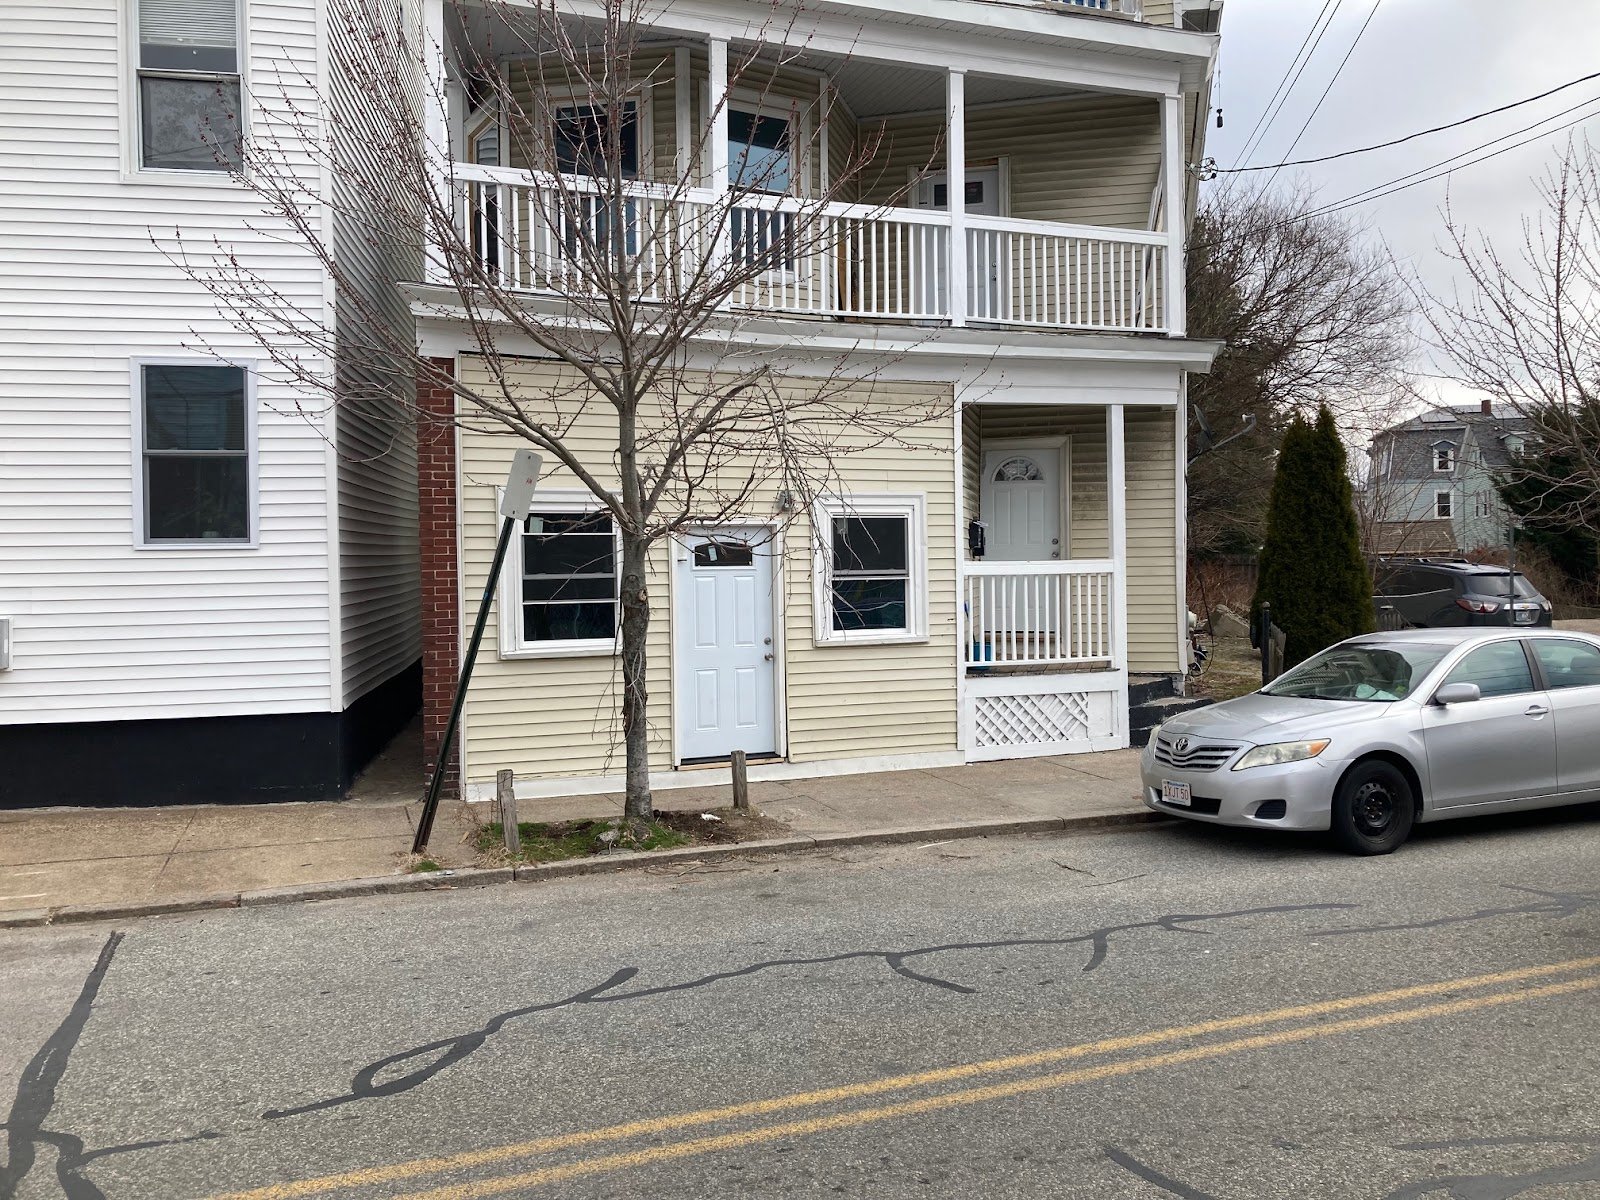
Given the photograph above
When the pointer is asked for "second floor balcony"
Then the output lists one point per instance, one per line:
(990, 191)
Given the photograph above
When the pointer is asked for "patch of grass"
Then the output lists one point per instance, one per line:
(545, 842)
(1233, 670)
(425, 864)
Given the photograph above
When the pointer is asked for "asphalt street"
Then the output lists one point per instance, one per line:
(1174, 1011)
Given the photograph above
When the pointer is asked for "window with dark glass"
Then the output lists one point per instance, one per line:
(871, 575)
(569, 577)
(761, 159)
(1567, 663)
(189, 94)
(584, 145)
(583, 138)
(196, 454)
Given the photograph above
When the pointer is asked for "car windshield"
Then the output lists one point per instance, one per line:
(1370, 671)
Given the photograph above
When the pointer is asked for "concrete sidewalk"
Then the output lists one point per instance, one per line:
(55, 857)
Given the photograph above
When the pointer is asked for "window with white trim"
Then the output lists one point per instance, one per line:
(761, 159)
(189, 84)
(559, 595)
(871, 569)
(1444, 457)
(194, 451)
(1444, 505)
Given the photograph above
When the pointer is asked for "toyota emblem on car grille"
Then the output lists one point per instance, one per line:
(1181, 745)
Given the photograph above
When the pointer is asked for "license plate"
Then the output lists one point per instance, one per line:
(1176, 794)
(1525, 616)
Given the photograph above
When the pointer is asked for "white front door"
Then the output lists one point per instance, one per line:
(983, 245)
(724, 659)
(1021, 501)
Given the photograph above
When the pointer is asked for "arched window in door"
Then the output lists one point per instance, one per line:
(1019, 469)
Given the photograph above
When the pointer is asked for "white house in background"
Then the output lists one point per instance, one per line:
(208, 584)
(880, 637)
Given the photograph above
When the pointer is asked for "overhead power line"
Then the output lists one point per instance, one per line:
(1400, 184)
(1272, 101)
(1410, 137)
(1339, 70)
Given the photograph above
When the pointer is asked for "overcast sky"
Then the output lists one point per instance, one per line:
(1419, 63)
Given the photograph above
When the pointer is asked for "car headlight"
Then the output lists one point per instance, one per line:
(1281, 752)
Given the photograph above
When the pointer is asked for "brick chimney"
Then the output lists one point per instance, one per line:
(1486, 407)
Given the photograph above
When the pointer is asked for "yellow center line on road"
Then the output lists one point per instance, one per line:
(369, 1176)
(997, 1091)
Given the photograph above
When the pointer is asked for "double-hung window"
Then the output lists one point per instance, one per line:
(1444, 457)
(194, 449)
(871, 569)
(1444, 505)
(189, 92)
(561, 589)
(593, 141)
(761, 159)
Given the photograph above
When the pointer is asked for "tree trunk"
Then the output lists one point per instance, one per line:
(635, 693)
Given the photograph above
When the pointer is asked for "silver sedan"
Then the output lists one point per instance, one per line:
(1387, 729)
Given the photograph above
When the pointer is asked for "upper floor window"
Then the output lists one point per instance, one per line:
(189, 85)
(584, 144)
(1514, 445)
(194, 454)
(760, 151)
(1444, 505)
(1444, 458)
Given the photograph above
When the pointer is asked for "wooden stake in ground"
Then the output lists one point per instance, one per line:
(506, 793)
(741, 783)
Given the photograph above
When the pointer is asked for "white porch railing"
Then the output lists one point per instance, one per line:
(1038, 613)
(833, 260)
(1065, 276)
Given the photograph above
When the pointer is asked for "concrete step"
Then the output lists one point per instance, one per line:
(1142, 689)
(1142, 718)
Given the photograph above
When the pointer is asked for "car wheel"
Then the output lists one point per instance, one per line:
(1374, 809)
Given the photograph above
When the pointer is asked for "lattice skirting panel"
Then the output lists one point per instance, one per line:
(1041, 716)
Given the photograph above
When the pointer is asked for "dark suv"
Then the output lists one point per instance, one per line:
(1430, 593)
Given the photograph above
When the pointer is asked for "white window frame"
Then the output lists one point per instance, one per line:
(1449, 498)
(911, 506)
(802, 161)
(509, 599)
(133, 168)
(554, 99)
(141, 540)
(1447, 452)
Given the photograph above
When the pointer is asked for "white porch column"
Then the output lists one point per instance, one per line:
(1117, 535)
(435, 120)
(717, 98)
(683, 112)
(1174, 173)
(956, 190)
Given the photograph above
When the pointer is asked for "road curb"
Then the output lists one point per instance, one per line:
(475, 877)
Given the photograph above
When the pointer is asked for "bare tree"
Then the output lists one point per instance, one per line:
(638, 279)
(1523, 326)
(1310, 312)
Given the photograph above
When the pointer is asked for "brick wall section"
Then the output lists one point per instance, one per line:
(441, 595)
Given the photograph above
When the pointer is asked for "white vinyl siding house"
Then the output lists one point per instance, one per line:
(988, 587)
(113, 627)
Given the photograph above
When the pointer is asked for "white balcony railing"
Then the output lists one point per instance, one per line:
(1038, 613)
(1128, 8)
(834, 260)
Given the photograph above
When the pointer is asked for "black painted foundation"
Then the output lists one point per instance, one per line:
(203, 760)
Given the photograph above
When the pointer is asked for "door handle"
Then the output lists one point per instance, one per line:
(767, 656)
(1536, 711)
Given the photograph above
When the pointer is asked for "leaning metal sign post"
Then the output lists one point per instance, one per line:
(515, 502)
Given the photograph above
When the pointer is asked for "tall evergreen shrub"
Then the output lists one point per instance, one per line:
(1312, 569)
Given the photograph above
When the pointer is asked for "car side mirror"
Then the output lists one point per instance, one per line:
(1457, 693)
